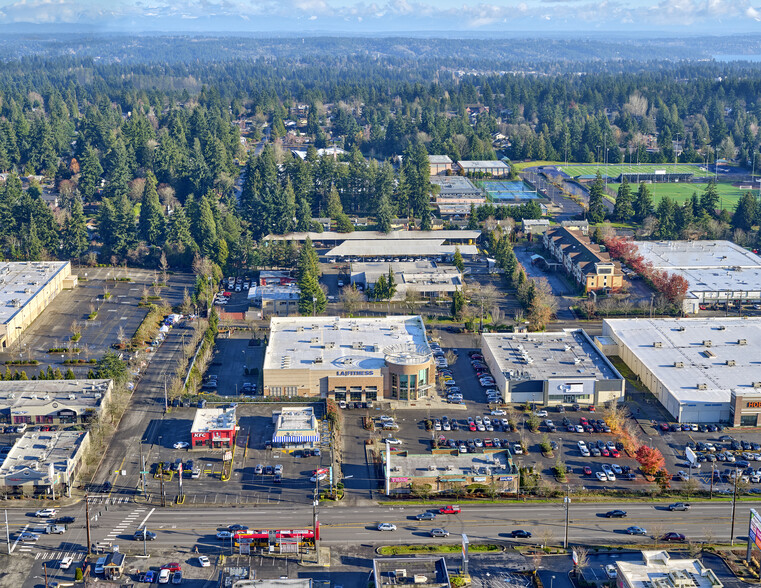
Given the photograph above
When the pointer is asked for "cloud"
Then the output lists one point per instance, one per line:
(751, 12)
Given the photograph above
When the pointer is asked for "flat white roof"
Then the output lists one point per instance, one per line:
(399, 248)
(455, 186)
(481, 164)
(684, 340)
(541, 356)
(296, 418)
(381, 238)
(213, 419)
(31, 455)
(658, 570)
(20, 281)
(78, 395)
(340, 343)
(420, 275)
(439, 159)
(708, 266)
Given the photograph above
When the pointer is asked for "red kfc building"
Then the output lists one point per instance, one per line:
(214, 428)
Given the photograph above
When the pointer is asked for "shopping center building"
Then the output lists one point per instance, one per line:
(355, 359)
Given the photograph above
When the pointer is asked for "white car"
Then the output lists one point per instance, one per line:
(610, 569)
(46, 513)
(203, 561)
(386, 527)
(393, 441)
(601, 476)
(66, 562)
(517, 449)
(498, 412)
(540, 413)
(224, 535)
(319, 477)
(181, 445)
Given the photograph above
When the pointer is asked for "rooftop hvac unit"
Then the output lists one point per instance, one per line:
(72, 397)
(678, 364)
(355, 327)
(330, 345)
(702, 386)
(757, 384)
(742, 341)
(315, 340)
(707, 343)
(400, 573)
(722, 328)
(680, 328)
(300, 329)
(431, 468)
(657, 344)
(357, 345)
(317, 360)
(450, 468)
(731, 362)
(335, 326)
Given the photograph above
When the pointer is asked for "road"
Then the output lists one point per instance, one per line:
(185, 528)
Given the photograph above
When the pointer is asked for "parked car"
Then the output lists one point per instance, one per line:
(611, 571)
(203, 561)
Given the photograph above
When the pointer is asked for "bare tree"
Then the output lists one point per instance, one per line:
(582, 558)
(412, 299)
(163, 266)
(120, 336)
(351, 298)
(76, 330)
(483, 297)
(546, 535)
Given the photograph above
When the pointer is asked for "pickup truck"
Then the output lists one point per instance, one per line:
(679, 506)
(449, 509)
(55, 529)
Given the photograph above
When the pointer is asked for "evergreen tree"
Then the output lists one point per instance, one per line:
(178, 231)
(746, 213)
(74, 232)
(390, 284)
(458, 304)
(312, 299)
(151, 221)
(205, 229)
(417, 172)
(623, 210)
(643, 203)
(596, 213)
(666, 222)
(303, 215)
(308, 261)
(473, 218)
(89, 177)
(709, 200)
(458, 261)
(383, 214)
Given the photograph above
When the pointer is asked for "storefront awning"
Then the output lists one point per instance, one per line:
(295, 438)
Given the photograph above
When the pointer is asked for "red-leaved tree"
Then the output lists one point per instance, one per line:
(650, 460)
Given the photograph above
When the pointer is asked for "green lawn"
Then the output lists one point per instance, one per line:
(728, 194)
(615, 170)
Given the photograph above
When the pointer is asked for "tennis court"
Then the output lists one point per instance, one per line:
(508, 190)
(729, 195)
(615, 170)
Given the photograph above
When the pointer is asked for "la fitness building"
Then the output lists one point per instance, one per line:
(358, 359)
(745, 407)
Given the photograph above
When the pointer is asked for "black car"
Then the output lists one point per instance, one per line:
(236, 528)
(64, 520)
(269, 470)
(673, 537)
(521, 534)
(143, 535)
(107, 486)
(615, 514)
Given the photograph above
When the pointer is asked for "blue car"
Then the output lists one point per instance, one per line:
(148, 577)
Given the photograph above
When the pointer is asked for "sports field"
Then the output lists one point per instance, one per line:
(507, 190)
(615, 170)
(728, 194)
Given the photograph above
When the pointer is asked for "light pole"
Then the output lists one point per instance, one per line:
(552, 578)
(567, 501)
(314, 305)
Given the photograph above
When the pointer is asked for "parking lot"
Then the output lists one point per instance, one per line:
(246, 484)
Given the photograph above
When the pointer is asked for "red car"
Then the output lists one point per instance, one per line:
(472, 426)
(583, 421)
(450, 509)
(592, 408)
(172, 567)
(614, 453)
(664, 427)
(605, 452)
(673, 537)
(587, 471)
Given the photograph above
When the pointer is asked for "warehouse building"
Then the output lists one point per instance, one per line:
(26, 288)
(441, 165)
(456, 190)
(332, 238)
(275, 300)
(428, 279)
(659, 570)
(551, 368)
(296, 427)
(445, 471)
(718, 272)
(697, 368)
(356, 359)
(53, 402)
(421, 572)
(214, 428)
(494, 169)
(43, 462)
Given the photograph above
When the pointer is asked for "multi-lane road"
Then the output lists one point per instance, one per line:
(186, 528)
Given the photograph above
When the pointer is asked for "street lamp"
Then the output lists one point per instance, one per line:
(552, 578)
(314, 305)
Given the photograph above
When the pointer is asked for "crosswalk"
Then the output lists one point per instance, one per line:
(106, 499)
(128, 521)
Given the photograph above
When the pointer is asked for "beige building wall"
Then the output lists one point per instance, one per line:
(11, 330)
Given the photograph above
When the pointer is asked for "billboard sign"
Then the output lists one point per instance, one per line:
(754, 530)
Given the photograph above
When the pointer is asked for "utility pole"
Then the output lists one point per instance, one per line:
(142, 468)
(166, 401)
(45, 568)
(734, 502)
(710, 496)
(161, 479)
(315, 527)
(567, 502)
(7, 533)
(87, 520)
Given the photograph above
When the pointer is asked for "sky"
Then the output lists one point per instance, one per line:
(676, 17)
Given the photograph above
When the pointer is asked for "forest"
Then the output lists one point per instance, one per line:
(161, 150)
